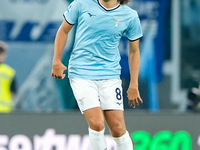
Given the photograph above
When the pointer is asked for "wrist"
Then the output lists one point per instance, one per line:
(134, 82)
(133, 85)
(56, 60)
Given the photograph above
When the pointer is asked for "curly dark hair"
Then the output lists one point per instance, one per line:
(123, 1)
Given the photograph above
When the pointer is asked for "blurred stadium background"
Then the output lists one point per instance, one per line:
(45, 114)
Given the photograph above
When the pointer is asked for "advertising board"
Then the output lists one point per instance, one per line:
(69, 131)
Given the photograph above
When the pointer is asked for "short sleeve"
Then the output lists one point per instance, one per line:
(72, 12)
(134, 30)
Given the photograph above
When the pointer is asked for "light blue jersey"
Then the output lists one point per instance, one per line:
(95, 55)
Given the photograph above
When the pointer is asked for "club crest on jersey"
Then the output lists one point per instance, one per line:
(69, 8)
(81, 101)
(117, 21)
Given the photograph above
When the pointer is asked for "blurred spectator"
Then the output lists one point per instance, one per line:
(194, 99)
(7, 82)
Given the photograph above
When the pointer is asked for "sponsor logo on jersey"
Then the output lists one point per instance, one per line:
(91, 14)
(119, 103)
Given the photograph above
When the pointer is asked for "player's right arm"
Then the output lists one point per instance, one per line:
(61, 38)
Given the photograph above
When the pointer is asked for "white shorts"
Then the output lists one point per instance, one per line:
(106, 94)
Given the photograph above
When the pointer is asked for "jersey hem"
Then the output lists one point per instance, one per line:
(94, 77)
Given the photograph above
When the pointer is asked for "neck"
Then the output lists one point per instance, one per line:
(109, 3)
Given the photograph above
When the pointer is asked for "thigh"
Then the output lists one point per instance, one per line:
(115, 121)
(95, 118)
(86, 93)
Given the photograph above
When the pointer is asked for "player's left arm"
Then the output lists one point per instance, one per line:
(134, 64)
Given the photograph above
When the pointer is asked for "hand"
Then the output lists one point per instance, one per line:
(134, 97)
(58, 70)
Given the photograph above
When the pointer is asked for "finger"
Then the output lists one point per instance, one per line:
(133, 104)
(52, 74)
(140, 100)
(130, 103)
(63, 76)
(136, 101)
(59, 77)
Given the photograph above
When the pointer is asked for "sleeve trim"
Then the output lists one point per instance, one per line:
(135, 39)
(67, 21)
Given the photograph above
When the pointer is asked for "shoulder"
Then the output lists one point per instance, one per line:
(129, 11)
(84, 2)
(8, 68)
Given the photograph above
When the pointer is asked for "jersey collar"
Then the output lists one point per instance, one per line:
(110, 9)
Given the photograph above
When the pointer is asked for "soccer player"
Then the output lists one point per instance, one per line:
(94, 70)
